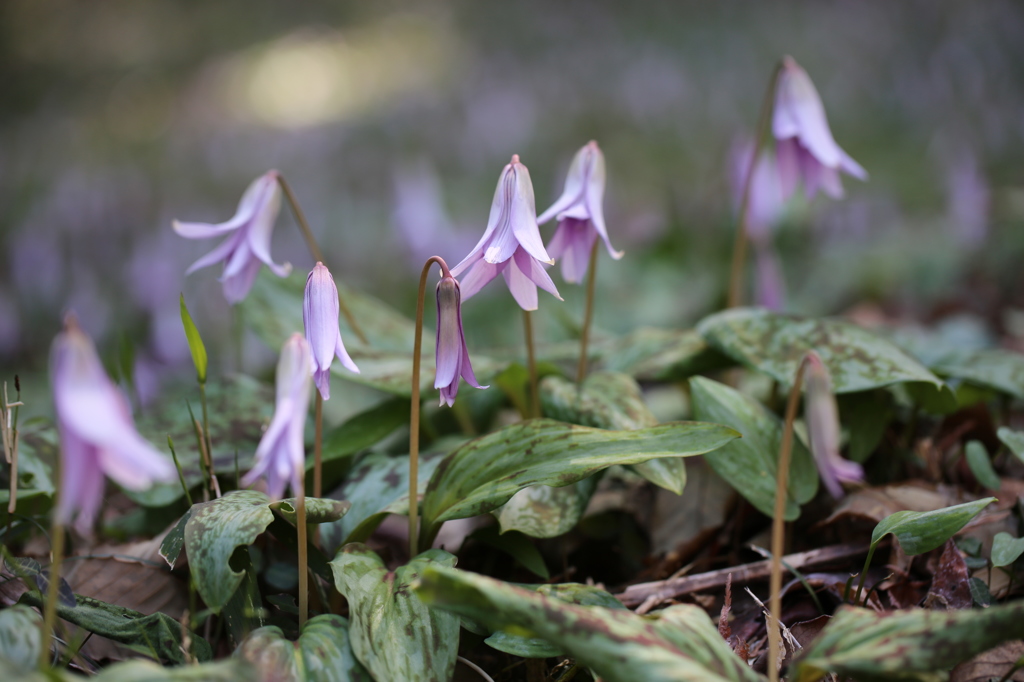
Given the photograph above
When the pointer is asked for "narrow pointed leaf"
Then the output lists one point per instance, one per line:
(981, 465)
(485, 473)
(750, 463)
(1014, 440)
(323, 652)
(393, 633)
(195, 342)
(170, 548)
(920, 532)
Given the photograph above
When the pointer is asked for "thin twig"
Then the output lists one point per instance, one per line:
(473, 666)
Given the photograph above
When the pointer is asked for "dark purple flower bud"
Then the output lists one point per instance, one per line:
(452, 357)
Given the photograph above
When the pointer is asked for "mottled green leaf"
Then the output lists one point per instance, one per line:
(157, 635)
(239, 408)
(486, 472)
(920, 532)
(749, 464)
(377, 486)
(322, 653)
(865, 415)
(907, 644)
(1001, 370)
(394, 634)
(650, 354)
(616, 644)
(195, 342)
(542, 511)
(775, 344)
(516, 545)
(1014, 440)
(20, 629)
(170, 547)
(1006, 549)
(244, 611)
(611, 400)
(981, 466)
(230, 670)
(317, 510)
(365, 429)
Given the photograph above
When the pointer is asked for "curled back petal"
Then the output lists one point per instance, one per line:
(237, 287)
(522, 288)
(222, 252)
(535, 272)
(478, 276)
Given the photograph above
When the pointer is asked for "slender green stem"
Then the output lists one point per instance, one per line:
(316, 253)
(581, 370)
(864, 573)
(739, 248)
(414, 409)
(318, 446)
(531, 365)
(50, 608)
(779, 525)
(206, 427)
(181, 474)
(300, 526)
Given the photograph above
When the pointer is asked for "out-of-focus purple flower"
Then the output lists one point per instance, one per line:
(249, 242)
(805, 148)
(969, 200)
(280, 455)
(771, 286)
(580, 214)
(765, 203)
(822, 419)
(97, 435)
(320, 320)
(511, 244)
(452, 357)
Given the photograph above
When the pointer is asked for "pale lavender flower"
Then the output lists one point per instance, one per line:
(805, 147)
(249, 242)
(822, 417)
(280, 455)
(320, 320)
(451, 355)
(771, 286)
(511, 244)
(765, 209)
(580, 214)
(97, 435)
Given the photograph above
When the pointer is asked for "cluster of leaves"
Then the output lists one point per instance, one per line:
(408, 618)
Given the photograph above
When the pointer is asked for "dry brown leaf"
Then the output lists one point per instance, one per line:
(991, 665)
(874, 504)
(951, 584)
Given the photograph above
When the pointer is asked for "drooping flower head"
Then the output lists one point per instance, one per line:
(320, 320)
(248, 243)
(280, 455)
(452, 357)
(511, 244)
(580, 214)
(805, 148)
(822, 419)
(97, 435)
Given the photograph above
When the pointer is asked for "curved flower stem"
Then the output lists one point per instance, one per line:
(300, 526)
(531, 365)
(739, 247)
(57, 554)
(779, 524)
(581, 369)
(318, 455)
(316, 253)
(414, 414)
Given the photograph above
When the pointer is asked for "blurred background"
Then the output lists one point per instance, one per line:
(392, 121)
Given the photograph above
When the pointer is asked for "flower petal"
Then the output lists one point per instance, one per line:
(222, 252)
(787, 160)
(532, 268)
(523, 290)
(237, 287)
(135, 464)
(80, 473)
(243, 214)
(478, 276)
(344, 357)
(320, 315)
(771, 287)
(449, 347)
(523, 216)
(575, 183)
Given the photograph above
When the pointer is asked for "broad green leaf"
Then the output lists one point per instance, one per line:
(37, 444)
(170, 547)
(157, 635)
(217, 529)
(486, 472)
(865, 415)
(650, 354)
(240, 407)
(20, 637)
(394, 634)
(981, 465)
(907, 644)
(536, 647)
(195, 342)
(920, 532)
(611, 400)
(322, 653)
(749, 464)
(1001, 370)
(1014, 440)
(516, 545)
(618, 645)
(377, 486)
(36, 577)
(773, 343)
(229, 670)
(244, 611)
(1006, 549)
(542, 511)
(317, 510)
(365, 429)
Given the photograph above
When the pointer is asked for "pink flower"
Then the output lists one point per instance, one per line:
(320, 320)
(280, 455)
(511, 244)
(249, 242)
(805, 148)
(580, 214)
(822, 419)
(97, 435)
(452, 357)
